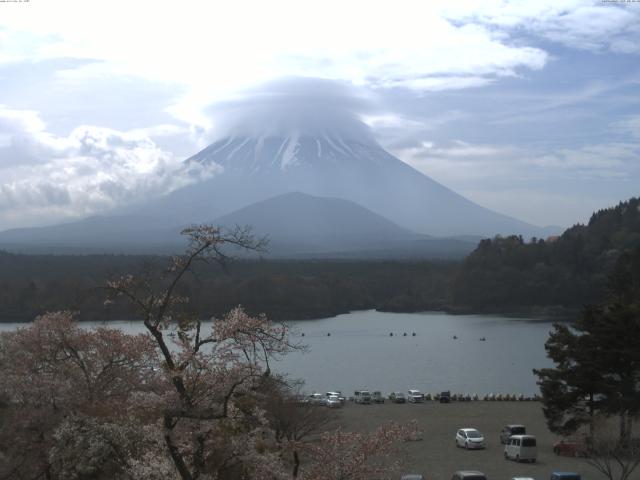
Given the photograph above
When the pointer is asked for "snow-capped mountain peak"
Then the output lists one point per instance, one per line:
(255, 154)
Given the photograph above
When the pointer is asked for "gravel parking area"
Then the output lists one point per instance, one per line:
(437, 457)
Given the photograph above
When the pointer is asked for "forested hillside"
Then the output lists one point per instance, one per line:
(33, 284)
(568, 271)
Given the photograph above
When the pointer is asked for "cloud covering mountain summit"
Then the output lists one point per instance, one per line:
(290, 106)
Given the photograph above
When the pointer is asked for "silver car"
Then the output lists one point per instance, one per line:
(397, 397)
(469, 438)
(333, 401)
(415, 396)
(468, 475)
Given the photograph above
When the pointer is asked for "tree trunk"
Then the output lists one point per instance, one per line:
(624, 435)
(296, 464)
(591, 415)
(176, 456)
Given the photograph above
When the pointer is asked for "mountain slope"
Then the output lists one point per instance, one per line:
(353, 168)
(98, 234)
(298, 226)
(319, 223)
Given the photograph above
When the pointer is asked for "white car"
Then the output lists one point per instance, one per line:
(415, 396)
(336, 394)
(469, 438)
(333, 401)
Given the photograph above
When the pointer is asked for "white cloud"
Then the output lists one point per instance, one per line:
(464, 166)
(439, 82)
(600, 27)
(212, 49)
(586, 25)
(93, 169)
(12, 120)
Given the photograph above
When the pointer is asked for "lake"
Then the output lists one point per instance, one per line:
(359, 353)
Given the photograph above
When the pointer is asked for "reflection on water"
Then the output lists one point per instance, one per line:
(360, 353)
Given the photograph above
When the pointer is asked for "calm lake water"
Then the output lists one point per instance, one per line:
(360, 353)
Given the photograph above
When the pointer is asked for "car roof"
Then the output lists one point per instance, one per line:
(516, 425)
(522, 436)
(468, 472)
(469, 429)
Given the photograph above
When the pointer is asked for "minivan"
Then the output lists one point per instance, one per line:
(521, 448)
(362, 396)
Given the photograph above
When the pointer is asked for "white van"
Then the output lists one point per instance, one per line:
(521, 448)
(362, 396)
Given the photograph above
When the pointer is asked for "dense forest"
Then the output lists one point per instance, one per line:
(504, 274)
(566, 272)
(33, 284)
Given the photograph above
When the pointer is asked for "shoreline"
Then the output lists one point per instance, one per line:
(550, 313)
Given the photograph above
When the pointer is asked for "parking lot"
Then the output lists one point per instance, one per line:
(436, 456)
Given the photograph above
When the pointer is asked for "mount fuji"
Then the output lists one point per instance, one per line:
(322, 154)
(330, 164)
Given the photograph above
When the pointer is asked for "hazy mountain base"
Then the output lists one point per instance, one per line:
(299, 226)
(504, 275)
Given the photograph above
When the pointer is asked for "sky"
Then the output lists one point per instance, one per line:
(531, 109)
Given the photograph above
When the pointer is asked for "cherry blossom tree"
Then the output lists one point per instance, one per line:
(294, 421)
(55, 370)
(187, 400)
(212, 412)
(341, 455)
